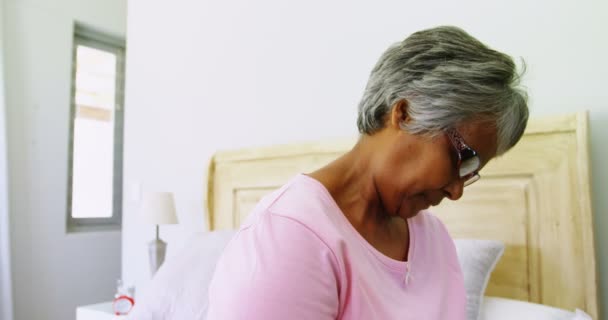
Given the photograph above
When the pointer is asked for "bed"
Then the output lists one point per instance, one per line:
(535, 199)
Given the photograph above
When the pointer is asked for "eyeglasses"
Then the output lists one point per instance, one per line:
(468, 159)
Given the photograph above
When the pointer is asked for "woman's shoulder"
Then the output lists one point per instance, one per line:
(301, 201)
(267, 265)
(291, 221)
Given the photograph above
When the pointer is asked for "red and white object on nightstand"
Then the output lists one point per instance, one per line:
(123, 299)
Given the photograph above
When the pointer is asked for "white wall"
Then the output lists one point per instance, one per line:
(6, 301)
(207, 75)
(53, 271)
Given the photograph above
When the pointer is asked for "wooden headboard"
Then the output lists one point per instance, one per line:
(535, 198)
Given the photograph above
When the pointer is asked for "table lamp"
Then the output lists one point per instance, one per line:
(158, 208)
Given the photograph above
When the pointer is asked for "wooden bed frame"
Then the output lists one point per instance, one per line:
(535, 198)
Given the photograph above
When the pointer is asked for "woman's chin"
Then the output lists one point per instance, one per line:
(406, 214)
(412, 207)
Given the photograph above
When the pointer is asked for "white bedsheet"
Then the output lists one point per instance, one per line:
(494, 308)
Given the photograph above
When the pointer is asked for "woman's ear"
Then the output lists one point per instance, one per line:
(399, 114)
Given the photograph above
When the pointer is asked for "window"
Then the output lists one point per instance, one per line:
(96, 133)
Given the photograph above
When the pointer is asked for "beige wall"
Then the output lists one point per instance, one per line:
(52, 271)
(209, 75)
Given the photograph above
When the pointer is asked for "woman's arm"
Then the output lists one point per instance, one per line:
(276, 269)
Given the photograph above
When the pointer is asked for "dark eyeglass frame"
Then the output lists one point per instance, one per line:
(466, 155)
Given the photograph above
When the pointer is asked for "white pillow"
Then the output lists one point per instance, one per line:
(179, 288)
(477, 260)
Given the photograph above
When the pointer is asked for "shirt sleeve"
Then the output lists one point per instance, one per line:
(277, 268)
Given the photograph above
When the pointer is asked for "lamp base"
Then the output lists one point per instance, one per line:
(156, 252)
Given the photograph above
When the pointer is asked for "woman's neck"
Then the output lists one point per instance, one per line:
(350, 181)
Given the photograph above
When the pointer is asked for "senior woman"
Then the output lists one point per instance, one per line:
(353, 240)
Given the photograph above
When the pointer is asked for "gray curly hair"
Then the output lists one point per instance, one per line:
(447, 78)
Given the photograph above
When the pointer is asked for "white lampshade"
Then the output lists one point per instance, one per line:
(158, 208)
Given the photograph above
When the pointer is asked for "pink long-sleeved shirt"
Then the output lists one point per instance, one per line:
(298, 257)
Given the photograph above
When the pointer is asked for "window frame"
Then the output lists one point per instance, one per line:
(86, 36)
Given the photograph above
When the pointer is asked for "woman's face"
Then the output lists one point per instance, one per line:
(415, 172)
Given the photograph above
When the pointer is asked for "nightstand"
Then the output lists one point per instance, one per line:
(99, 311)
